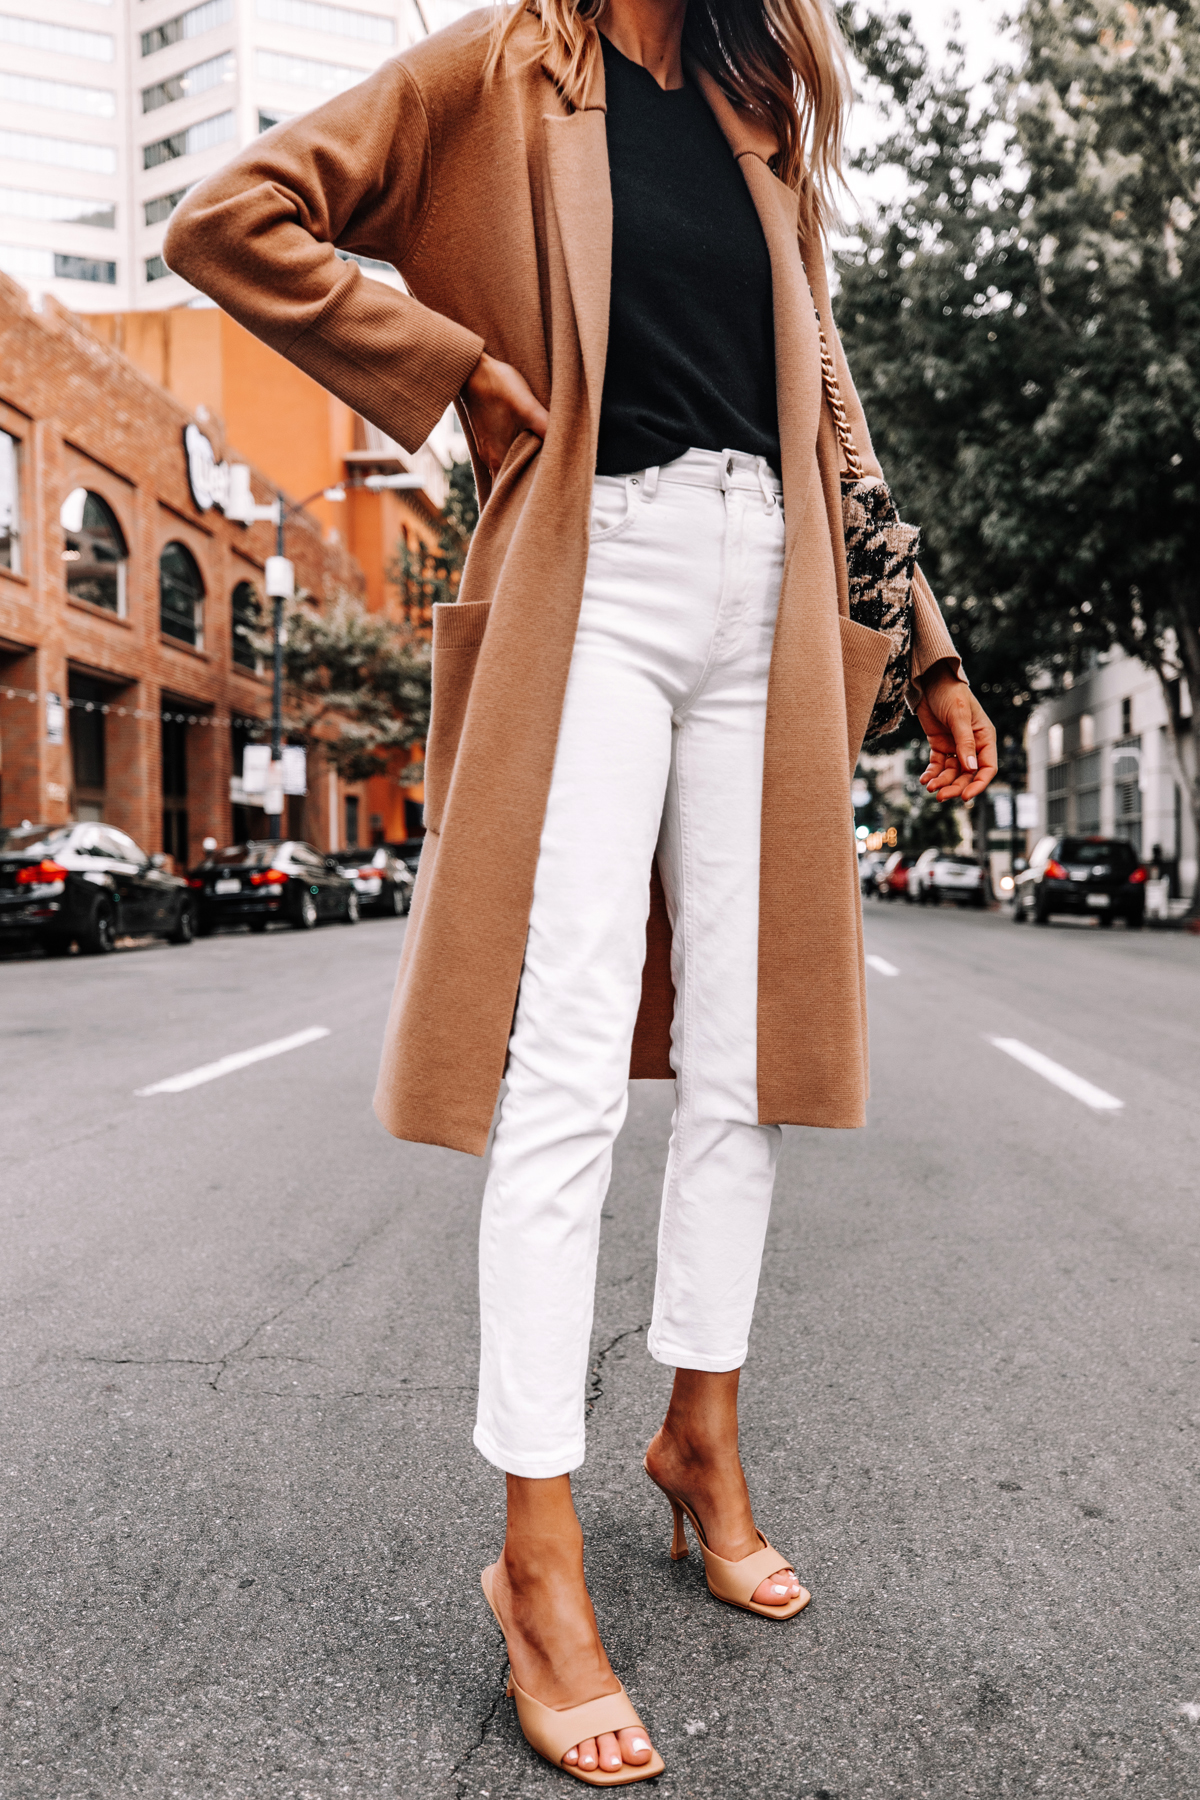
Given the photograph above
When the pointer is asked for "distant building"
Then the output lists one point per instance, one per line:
(1100, 761)
(109, 113)
(128, 683)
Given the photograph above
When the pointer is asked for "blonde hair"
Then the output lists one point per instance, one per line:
(783, 61)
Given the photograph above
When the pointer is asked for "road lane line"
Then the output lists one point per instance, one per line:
(881, 965)
(176, 1084)
(1066, 1079)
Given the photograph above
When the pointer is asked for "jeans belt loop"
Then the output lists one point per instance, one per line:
(649, 482)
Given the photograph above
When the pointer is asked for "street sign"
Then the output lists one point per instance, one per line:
(256, 768)
(295, 780)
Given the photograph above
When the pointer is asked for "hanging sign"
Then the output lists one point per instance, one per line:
(56, 718)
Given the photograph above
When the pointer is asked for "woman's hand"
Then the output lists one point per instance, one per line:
(501, 405)
(962, 740)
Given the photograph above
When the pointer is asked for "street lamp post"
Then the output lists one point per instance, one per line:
(280, 586)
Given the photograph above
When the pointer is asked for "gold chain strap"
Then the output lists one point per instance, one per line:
(837, 406)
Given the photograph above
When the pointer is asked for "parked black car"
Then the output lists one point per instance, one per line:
(252, 884)
(383, 882)
(87, 884)
(409, 852)
(1098, 876)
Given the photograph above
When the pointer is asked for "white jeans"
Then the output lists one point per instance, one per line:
(661, 747)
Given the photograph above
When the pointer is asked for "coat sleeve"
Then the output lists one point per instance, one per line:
(932, 642)
(259, 238)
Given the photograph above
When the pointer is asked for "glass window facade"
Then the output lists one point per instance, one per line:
(196, 80)
(181, 595)
(84, 268)
(274, 117)
(63, 96)
(302, 71)
(156, 268)
(193, 23)
(199, 137)
(58, 153)
(57, 209)
(94, 552)
(339, 21)
(163, 206)
(247, 623)
(64, 40)
(10, 502)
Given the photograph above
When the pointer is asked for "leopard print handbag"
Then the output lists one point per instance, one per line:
(881, 559)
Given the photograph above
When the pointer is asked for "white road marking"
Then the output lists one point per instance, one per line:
(176, 1084)
(881, 965)
(1066, 1079)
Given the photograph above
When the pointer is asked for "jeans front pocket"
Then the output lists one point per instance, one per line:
(615, 499)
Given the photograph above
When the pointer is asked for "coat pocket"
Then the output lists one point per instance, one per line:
(458, 629)
(864, 663)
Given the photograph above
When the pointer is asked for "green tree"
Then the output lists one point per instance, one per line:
(426, 578)
(1024, 321)
(354, 683)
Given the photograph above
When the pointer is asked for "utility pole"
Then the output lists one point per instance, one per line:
(281, 586)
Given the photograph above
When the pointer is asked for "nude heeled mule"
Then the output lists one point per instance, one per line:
(552, 1731)
(732, 1582)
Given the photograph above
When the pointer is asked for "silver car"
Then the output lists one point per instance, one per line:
(953, 876)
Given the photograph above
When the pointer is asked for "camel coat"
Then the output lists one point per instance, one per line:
(493, 201)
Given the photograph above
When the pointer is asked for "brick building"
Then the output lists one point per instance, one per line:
(126, 689)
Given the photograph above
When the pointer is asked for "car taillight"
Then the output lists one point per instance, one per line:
(195, 881)
(1139, 874)
(262, 877)
(35, 874)
(1055, 871)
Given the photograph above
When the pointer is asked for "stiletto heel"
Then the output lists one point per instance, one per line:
(733, 1582)
(679, 1543)
(552, 1731)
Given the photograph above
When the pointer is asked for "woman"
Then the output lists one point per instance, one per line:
(612, 241)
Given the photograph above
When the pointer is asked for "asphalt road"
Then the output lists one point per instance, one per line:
(242, 1519)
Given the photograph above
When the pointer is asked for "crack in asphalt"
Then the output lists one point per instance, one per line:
(222, 1361)
(458, 1770)
(595, 1391)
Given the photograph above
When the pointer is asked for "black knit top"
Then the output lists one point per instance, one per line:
(691, 345)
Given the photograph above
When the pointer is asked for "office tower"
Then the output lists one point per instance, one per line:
(110, 110)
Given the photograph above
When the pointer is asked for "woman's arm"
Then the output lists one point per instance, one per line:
(258, 237)
(962, 739)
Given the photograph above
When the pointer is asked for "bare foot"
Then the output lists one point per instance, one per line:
(554, 1646)
(695, 1455)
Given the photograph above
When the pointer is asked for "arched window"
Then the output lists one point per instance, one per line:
(247, 623)
(94, 551)
(180, 595)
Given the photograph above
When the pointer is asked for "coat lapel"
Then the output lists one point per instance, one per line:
(797, 346)
(577, 164)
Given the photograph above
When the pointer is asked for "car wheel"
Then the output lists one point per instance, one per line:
(352, 913)
(185, 929)
(1041, 913)
(1135, 921)
(1018, 911)
(305, 917)
(396, 908)
(99, 935)
(935, 898)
